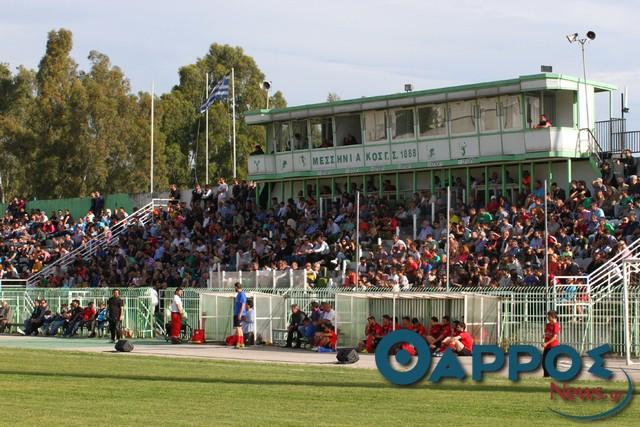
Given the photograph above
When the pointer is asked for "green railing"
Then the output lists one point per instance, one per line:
(523, 311)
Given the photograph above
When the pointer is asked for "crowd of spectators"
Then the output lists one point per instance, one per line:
(29, 240)
(224, 227)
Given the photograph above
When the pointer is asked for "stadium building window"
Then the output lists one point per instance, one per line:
(488, 114)
(300, 135)
(348, 130)
(375, 126)
(321, 133)
(462, 117)
(432, 121)
(511, 112)
(282, 137)
(402, 124)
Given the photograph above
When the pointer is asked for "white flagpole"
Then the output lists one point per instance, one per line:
(233, 112)
(152, 126)
(206, 133)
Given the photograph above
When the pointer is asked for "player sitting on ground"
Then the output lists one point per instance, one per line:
(373, 333)
(436, 342)
(418, 327)
(461, 342)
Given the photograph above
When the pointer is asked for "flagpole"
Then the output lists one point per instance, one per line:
(233, 112)
(152, 122)
(206, 133)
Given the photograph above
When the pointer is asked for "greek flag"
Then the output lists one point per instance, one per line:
(219, 92)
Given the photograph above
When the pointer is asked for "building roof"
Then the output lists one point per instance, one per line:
(524, 83)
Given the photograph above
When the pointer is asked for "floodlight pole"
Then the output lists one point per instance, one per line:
(584, 75)
(625, 301)
(152, 128)
(546, 247)
(448, 228)
(357, 238)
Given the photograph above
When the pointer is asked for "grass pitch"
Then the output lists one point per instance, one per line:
(49, 388)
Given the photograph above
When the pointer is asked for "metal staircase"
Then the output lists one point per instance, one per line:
(107, 238)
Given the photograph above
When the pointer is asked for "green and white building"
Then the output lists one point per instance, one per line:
(424, 140)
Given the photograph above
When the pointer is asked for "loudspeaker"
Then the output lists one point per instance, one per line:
(347, 355)
(124, 346)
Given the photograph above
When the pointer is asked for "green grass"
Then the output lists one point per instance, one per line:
(47, 388)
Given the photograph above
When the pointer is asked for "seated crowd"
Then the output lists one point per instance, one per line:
(315, 329)
(223, 227)
(68, 321)
(31, 240)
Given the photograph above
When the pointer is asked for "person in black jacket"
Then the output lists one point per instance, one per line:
(629, 164)
(76, 318)
(36, 319)
(115, 308)
(297, 319)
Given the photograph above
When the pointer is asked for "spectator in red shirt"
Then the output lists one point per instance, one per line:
(551, 335)
(461, 343)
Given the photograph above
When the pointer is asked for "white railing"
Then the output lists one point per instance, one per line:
(106, 238)
(265, 279)
(608, 277)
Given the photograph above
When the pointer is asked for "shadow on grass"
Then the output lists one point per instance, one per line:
(474, 387)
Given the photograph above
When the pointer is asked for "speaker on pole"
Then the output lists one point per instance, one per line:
(347, 356)
(124, 346)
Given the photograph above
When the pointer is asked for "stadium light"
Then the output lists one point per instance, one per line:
(572, 38)
(266, 85)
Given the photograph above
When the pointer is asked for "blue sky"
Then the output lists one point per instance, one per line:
(353, 48)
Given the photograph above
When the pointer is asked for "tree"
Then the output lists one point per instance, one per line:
(185, 128)
(333, 97)
(17, 93)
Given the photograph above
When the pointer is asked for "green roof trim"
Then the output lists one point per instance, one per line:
(449, 89)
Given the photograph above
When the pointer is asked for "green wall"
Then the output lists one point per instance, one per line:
(78, 206)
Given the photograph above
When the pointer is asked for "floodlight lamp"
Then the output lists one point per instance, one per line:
(591, 35)
(266, 85)
(572, 37)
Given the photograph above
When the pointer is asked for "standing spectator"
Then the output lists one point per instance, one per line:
(629, 164)
(176, 316)
(174, 194)
(115, 307)
(6, 315)
(249, 324)
(239, 310)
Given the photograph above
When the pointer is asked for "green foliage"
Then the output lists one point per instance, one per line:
(66, 132)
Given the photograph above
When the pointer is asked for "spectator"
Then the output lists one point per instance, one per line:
(296, 320)
(6, 316)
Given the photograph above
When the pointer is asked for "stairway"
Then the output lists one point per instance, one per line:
(107, 238)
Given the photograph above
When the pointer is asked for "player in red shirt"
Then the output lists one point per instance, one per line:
(551, 334)
(387, 324)
(461, 343)
(418, 327)
(373, 333)
(406, 323)
(436, 342)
